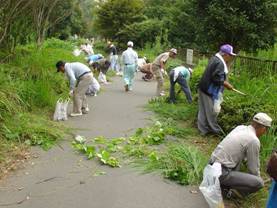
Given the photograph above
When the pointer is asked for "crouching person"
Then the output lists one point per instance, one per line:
(240, 144)
(80, 77)
(180, 75)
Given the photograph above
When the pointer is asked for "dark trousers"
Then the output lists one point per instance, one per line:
(184, 86)
(245, 183)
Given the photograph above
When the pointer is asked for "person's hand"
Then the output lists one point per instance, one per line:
(228, 85)
(71, 93)
(162, 70)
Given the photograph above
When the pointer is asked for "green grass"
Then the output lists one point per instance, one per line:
(29, 89)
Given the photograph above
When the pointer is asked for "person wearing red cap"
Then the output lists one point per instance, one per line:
(211, 88)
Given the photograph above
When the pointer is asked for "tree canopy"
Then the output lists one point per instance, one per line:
(202, 24)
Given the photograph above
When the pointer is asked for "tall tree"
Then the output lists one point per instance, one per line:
(247, 24)
(115, 15)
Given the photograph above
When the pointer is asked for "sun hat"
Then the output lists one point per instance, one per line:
(263, 119)
(228, 49)
(173, 50)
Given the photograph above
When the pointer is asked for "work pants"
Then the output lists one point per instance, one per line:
(184, 86)
(129, 74)
(79, 95)
(159, 77)
(207, 117)
(244, 183)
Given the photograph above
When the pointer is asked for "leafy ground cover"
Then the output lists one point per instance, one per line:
(29, 89)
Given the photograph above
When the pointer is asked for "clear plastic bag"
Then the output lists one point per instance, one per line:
(60, 113)
(210, 186)
(102, 78)
(217, 103)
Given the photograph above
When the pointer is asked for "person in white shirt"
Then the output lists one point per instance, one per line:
(241, 144)
(130, 61)
(80, 77)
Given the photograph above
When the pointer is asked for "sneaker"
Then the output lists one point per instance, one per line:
(232, 194)
(85, 110)
(75, 114)
(126, 88)
(162, 94)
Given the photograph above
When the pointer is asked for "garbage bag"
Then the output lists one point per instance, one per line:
(210, 186)
(217, 103)
(60, 113)
(102, 78)
(77, 52)
(93, 88)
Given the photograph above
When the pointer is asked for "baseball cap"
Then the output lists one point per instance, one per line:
(263, 119)
(130, 43)
(228, 49)
(173, 50)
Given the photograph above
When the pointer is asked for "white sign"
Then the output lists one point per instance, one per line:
(190, 56)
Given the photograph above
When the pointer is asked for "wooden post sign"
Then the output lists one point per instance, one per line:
(190, 56)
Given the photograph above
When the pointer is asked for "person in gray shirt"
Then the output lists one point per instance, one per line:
(80, 77)
(241, 144)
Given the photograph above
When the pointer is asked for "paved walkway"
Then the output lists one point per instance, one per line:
(60, 178)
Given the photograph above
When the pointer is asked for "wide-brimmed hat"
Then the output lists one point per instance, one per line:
(173, 50)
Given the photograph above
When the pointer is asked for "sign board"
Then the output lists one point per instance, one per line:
(190, 56)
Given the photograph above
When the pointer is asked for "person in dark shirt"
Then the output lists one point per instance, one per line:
(113, 57)
(211, 88)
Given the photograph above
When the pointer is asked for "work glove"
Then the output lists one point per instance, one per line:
(71, 93)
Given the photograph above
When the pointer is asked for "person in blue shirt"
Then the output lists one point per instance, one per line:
(93, 58)
(180, 75)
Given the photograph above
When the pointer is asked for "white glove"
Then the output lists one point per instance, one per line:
(71, 93)
(162, 70)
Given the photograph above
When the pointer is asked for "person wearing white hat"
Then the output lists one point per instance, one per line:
(158, 68)
(130, 62)
(241, 144)
(180, 75)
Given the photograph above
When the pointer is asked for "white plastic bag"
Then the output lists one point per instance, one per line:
(217, 103)
(77, 52)
(93, 88)
(61, 110)
(102, 78)
(210, 186)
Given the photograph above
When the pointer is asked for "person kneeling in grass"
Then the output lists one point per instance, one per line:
(241, 144)
(180, 75)
(80, 77)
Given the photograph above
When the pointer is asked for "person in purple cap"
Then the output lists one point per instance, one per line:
(211, 88)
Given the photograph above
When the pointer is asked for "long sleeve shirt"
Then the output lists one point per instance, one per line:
(73, 71)
(241, 143)
(129, 56)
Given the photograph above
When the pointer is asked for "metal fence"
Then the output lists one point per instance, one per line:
(250, 64)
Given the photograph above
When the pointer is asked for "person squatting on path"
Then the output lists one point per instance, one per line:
(80, 77)
(158, 69)
(147, 70)
(130, 61)
(241, 144)
(93, 58)
(113, 57)
(211, 88)
(180, 75)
